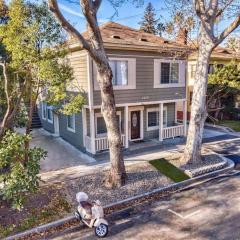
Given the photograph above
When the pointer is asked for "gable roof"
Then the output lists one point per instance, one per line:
(116, 35)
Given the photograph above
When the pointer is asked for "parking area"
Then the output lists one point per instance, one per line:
(209, 211)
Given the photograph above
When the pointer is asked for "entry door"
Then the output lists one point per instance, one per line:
(56, 124)
(135, 125)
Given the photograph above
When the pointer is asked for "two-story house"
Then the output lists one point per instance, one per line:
(149, 79)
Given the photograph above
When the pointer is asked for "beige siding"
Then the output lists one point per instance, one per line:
(78, 61)
(144, 91)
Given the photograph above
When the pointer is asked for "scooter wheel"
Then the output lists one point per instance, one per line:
(101, 230)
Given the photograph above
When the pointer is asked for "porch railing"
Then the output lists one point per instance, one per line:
(100, 143)
(172, 132)
(103, 144)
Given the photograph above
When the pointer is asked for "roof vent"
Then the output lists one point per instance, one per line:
(116, 37)
(143, 39)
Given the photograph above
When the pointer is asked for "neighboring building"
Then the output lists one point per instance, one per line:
(149, 80)
(220, 56)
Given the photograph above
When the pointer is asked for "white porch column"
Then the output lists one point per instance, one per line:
(92, 131)
(126, 126)
(84, 123)
(185, 117)
(161, 122)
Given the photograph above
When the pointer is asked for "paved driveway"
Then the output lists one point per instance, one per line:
(210, 211)
(60, 153)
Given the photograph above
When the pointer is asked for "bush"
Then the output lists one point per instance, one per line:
(17, 177)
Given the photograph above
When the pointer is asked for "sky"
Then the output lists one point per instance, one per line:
(128, 14)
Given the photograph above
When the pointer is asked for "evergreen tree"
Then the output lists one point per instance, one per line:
(149, 23)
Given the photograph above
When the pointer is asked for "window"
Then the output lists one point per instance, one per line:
(120, 72)
(153, 118)
(169, 73)
(124, 73)
(101, 130)
(44, 111)
(49, 114)
(71, 122)
(210, 69)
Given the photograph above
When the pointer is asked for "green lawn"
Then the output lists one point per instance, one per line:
(169, 170)
(235, 125)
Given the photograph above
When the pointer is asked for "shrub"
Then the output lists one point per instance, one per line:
(17, 177)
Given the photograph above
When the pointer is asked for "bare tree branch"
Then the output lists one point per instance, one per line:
(228, 30)
(53, 6)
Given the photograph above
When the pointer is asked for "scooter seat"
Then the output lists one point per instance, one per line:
(86, 205)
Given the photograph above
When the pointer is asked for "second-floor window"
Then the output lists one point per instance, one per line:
(124, 73)
(169, 72)
(120, 72)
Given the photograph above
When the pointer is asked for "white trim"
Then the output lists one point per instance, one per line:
(131, 75)
(90, 80)
(143, 56)
(160, 122)
(156, 110)
(132, 109)
(56, 124)
(185, 117)
(49, 120)
(92, 132)
(126, 126)
(74, 127)
(142, 103)
(99, 114)
(157, 76)
(84, 123)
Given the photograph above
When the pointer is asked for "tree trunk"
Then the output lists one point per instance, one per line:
(117, 175)
(192, 152)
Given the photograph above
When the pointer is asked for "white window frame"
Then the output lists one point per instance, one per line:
(74, 122)
(49, 120)
(156, 110)
(131, 74)
(44, 108)
(181, 73)
(98, 115)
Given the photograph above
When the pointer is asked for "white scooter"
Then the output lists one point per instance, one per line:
(91, 214)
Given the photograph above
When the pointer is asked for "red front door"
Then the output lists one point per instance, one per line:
(135, 125)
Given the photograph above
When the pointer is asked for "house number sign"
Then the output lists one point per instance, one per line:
(134, 120)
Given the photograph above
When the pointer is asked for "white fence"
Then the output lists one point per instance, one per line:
(100, 143)
(171, 132)
(103, 144)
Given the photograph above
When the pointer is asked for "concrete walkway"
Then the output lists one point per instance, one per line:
(60, 153)
(64, 162)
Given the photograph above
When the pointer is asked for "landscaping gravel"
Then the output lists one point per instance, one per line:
(141, 179)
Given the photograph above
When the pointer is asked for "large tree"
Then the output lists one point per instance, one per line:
(33, 43)
(95, 48)
(209, 13)
(223, 85)
(149, 22)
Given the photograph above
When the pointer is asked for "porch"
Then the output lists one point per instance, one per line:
(151, 123)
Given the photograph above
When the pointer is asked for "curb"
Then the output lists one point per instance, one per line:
(168, 190)
(225, 129)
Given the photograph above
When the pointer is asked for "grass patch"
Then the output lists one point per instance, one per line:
(235, 125)
(169, 170)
